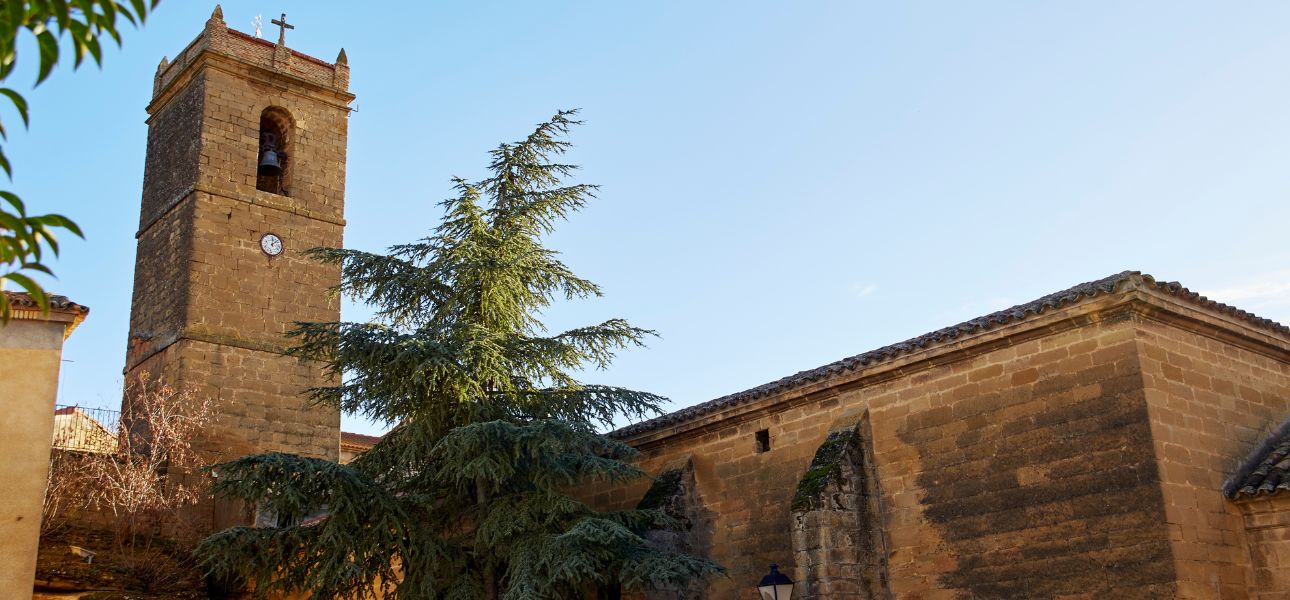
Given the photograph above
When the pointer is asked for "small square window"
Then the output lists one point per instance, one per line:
(763, 440)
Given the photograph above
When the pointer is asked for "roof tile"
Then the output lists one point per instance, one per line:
(1265, 470)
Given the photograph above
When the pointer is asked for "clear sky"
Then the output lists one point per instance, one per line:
(784, 183)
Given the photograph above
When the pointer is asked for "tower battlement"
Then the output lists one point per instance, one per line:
(275, 60)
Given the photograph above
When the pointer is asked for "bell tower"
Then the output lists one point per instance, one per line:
(245, 169)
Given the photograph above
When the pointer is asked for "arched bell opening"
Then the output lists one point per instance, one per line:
(273, 161)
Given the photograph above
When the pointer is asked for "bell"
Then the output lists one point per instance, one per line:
(270, 158)
(270, 163)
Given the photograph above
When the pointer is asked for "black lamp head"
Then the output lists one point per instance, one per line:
(774, 577)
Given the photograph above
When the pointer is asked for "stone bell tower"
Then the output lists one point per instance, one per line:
(245, 169)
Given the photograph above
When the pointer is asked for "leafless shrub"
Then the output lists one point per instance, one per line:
(154, 473)
(66, 490)
(143, 489)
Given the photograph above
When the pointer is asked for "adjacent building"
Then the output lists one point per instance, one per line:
(31, 351)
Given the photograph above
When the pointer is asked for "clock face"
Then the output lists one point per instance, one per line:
(271, 244)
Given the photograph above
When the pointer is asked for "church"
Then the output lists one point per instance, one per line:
(1118, 439)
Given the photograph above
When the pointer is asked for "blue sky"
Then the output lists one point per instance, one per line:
(784, 183)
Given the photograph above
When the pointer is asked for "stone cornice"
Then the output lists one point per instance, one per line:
(1150, 304)
(227, 64)
(258, 198)
(200, 335)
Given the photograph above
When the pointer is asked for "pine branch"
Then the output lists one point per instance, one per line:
(400, 289)
(346, 552)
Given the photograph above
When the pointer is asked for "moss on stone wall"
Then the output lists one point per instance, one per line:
(666, 485)
(825, 467)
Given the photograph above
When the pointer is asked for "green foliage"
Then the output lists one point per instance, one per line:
(22, 242)
(469, 496)
(85, 23)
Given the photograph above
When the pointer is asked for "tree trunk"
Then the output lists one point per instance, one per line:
(489, 574)
(609, 591)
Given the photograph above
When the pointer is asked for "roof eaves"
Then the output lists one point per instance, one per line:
(1020, 312)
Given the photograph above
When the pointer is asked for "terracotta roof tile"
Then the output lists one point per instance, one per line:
(56, 303)
(1266, 469)
(264, 42)
(1020, 312)
(358, 439)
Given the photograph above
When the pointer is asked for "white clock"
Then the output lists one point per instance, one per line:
(271, 244)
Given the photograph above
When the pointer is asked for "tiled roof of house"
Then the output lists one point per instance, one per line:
(993, 320)
(58, 303)
(358, 439)
(1267, 470)
(61, 309)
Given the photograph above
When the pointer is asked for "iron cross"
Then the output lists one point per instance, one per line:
(283, 26)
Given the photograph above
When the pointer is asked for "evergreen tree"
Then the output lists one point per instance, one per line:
(469, 496)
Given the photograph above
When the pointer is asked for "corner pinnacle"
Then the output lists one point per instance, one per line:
(217, 14)
(165, 62)
(341, 59)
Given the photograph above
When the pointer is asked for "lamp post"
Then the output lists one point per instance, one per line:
(775, 585)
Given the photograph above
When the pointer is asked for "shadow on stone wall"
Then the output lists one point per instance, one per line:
(675, 492)
(1048, 489)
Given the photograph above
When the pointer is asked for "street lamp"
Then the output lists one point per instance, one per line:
(775, 585)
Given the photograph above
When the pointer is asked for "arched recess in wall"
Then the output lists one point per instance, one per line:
(273, 161)
(839, 544)
(675, 492)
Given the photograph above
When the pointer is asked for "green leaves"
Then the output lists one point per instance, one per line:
(23, 241)
(48, 45)
(84, 23)
(19, 103)
(549, 454)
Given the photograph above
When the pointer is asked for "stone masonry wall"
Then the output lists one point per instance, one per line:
(673, 492)
(230, 143)
(158, 311)
(174, 152)
(1028, 462)
(1267, 527)
(1000, 467)
(261, 406)
(1212, 399)
(238, 294)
